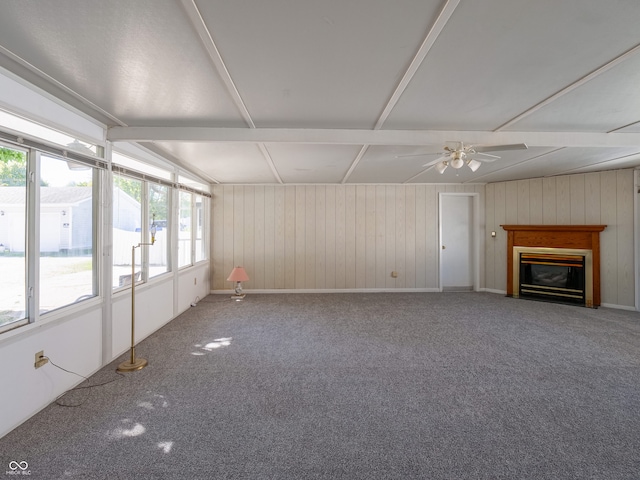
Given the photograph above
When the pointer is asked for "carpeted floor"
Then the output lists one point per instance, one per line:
(358, 386)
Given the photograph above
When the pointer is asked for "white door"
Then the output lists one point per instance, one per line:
(457, 259)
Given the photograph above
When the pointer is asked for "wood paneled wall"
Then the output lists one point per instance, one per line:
(329, 237)
(593, 198)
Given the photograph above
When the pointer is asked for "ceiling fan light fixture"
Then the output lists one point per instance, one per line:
(460, 155)
(457, 163)
(441, 167)
(473, 164)
(457, 159)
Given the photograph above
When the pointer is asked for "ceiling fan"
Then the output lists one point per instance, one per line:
(460, 154)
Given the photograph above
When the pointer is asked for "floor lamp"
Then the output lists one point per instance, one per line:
(135, 363)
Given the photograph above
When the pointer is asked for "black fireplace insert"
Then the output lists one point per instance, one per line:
(554, 278)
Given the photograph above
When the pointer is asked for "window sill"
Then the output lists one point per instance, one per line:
(55, 316)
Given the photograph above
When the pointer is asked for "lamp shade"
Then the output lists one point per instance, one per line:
(441, 167)
(238, 275)
(474, 165)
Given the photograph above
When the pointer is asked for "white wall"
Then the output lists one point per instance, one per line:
(154, 308)
(87, 336)
(156, 304)
(73, 342)
(329, 237)
(584, 199)
(73, 338)
(193, 285)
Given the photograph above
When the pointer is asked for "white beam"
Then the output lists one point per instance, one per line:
(369, 137)
(419, 57)
(201, 29)
(587, 78)
(355, 163)
(73, 98)
(210, 46)
(424, 49)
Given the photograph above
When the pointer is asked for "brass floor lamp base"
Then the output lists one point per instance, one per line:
(138, 364)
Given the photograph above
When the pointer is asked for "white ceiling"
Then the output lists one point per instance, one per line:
(332, 91)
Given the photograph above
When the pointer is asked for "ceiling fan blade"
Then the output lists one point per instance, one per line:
(437, 160)
(500, 148)
(485, 160)
(417, 155)
(495, 157)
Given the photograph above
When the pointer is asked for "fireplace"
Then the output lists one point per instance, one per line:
(558, 263)
(553, 274)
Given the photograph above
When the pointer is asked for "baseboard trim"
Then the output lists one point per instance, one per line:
(331, 290)
(619, 307)
(493, 290)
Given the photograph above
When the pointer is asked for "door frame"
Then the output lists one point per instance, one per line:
(475, 231)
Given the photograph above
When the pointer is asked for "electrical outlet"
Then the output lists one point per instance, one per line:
(40, 360)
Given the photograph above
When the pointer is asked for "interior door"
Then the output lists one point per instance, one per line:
(457, 259)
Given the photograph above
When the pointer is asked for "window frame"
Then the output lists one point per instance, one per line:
(102, 191)
(28, 152)
(168, 228)
(206, 197)
(34, 150)
(190, 262)
(97, 177)
(146, 180)
(204, 240)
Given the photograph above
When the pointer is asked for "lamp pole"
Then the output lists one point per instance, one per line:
(135, 363)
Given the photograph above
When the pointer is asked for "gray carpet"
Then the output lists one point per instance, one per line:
(358, 386)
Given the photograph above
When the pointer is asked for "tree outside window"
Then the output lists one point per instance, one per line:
(13, 214)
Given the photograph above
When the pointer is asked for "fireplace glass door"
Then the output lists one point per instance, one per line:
(553, 277)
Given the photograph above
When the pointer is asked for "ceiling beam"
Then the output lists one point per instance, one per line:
(587, 78)
(419, 57)
(60, 92)
(355, 163)
(201, 29)
(425, 47)
(210, 46)
(369, 137)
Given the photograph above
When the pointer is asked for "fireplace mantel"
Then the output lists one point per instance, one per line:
(585, 237)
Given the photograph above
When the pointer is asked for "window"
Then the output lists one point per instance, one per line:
(127, 229)
(199, 230)
(185, 223)
(48, 230)
(192, 246)
(67, 233)
(194, 202)
(50, 219)
(141, 202)
(159, 211)
(13, 214)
